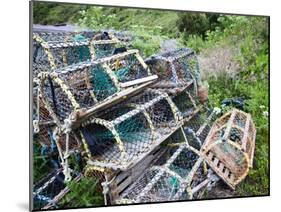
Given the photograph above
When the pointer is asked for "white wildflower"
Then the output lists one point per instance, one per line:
(265, 113)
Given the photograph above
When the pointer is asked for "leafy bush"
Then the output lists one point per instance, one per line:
(56, 13)
(196, 23)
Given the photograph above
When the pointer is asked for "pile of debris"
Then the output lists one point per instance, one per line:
(139, 125)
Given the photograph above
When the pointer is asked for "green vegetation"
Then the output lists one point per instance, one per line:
(233, 55)
(56, 13)
(41, 164)
(82, 194)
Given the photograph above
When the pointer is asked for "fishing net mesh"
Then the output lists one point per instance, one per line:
(131, 128)
(87, 71)
(57, 50)
(177, 173)
(89, 83)
(176, 69)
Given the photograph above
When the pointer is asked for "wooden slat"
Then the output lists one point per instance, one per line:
(246, 133)
(216, 161)
(138, 81)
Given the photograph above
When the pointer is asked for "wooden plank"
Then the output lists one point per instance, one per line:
(253, 145)
(221, 166)
(246, 133)
(226, 172)
(200, 186)
(216, 161)
(229, 125)
(232, 178)
(210, 155)
(138, 81)
(83, 115)
(132, 174)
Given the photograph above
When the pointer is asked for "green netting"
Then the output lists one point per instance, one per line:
(83, 51)
(184, 163)
(103, 50)
(122, 72)
(102, 84)
(134, 129)
(129, 69)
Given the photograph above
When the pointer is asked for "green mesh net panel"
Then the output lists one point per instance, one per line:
(102, 84)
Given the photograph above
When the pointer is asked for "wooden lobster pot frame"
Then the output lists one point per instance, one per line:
(229, 147)
(121, 136)
(91, 85)
(114, 183)
(57, 50)
(177, 70)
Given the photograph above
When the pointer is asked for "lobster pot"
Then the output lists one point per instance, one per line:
(57, 50)
(45, 135)
(185, 103)
(229, 147)
(53, 54)
(176, 69)
(198, 127)
(84, 85)
(103, 44)
(123, 135)
(40, 112)
(50, 190)
(174, 177)
(121, 180)
(123, 36)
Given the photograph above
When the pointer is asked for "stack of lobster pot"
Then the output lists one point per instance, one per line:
(138, 125)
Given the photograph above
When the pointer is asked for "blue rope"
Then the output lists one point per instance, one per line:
(53, 93)
(44, 150)
(53, 142)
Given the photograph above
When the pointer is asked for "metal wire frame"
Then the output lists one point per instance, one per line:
(176, 179)
(109, 147)
(81, 87)
(120, 137)
(177, 69)
(229, 147)
(56, 50)
(182, 165)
